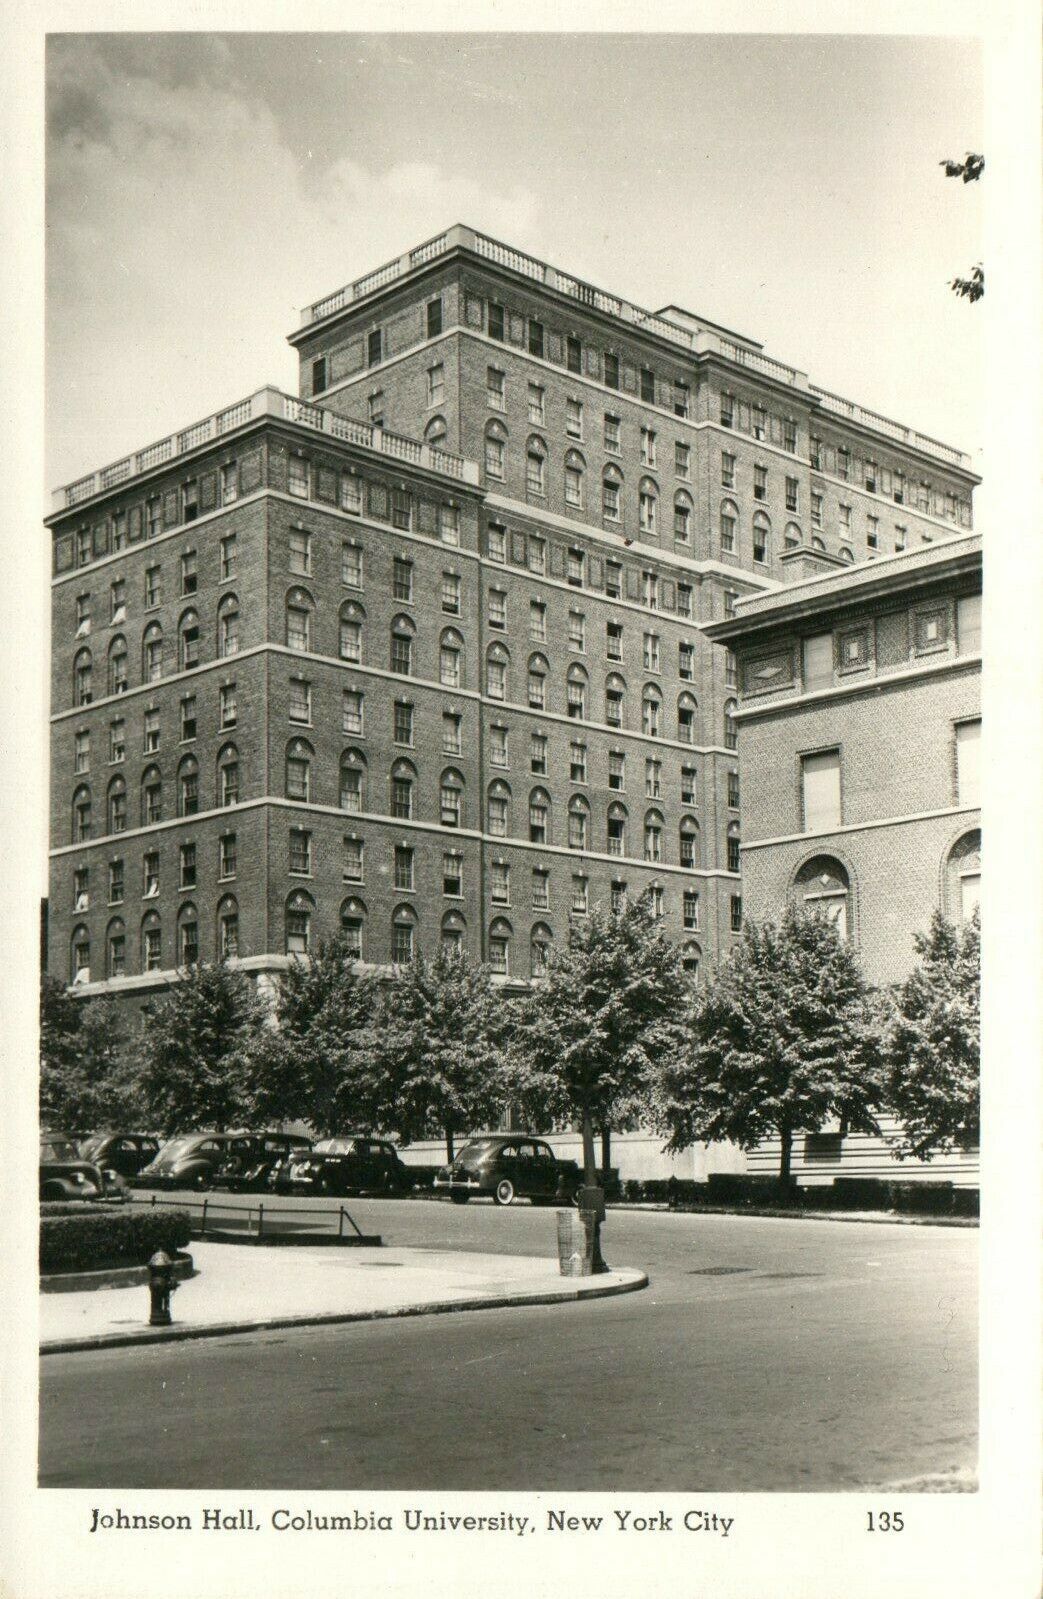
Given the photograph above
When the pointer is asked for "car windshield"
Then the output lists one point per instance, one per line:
(334, 1146)
(59, 1149)
(91, 1147)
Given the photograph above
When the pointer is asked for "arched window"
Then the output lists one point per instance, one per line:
(228, 626)
(575, 473)
(653, 836)
(116, 806)
(118, 665)
(353, 781)
(683, 514)
(496, 451)
(648, 508)
(454, 928)
(731, 726)
(822, 885)
(537, 684)
(761, 537)
(497, 667)
(691, 959)
(617, 829)
(612, 494)
(298, 769)
(228, 775)
(576, 692)
(500, 947)
(82, 676)
(151, 796)
(151, 942)
(688, 842)
(615, 699)
(403, 789)
(352, 924)
(450, 659)
(817, 543)
(187, 936)
(651, 711)
(540, 940)
(299, 608)
(451, 798)
(435, 432)
(579, 822)
(403, 935)
(228, 928)
(403, 638)
(80, 956)
(116, 948)
(152, 653)
(963, 877)
(847, 554)
(299, 908)
(188, 786)
(729, 523)
(793, 537)
(687, 714)
(352, 620)
(498, 809)
(734, 846)
(188, 641)
(81, 814)
(539, 817)
(536, 466)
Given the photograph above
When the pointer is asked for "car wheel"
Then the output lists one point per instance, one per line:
(504, 1192)
(459, 1199)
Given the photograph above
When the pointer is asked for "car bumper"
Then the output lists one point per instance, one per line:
(461, 1185)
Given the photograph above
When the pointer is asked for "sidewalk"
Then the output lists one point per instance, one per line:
(242, 1287)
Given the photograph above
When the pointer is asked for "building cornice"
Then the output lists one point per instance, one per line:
(816, 839)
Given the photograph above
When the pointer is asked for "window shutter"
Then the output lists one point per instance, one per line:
(518, 548)
(207, 491)
(669, 594)
(170, 508)
(775, 430)
(633, 579)
(326, 485)
(100, 538)
(557, 560)
(596, 572)
(134, 524)
(250, 472)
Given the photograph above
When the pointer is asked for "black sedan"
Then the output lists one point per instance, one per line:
(125, 1153)
(64, 1174)
(510, 1167)
(352, 1164)
(251, 1159)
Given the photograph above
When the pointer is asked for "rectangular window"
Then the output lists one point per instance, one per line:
(402, 722)
(496, 388)
(843, 464)
(682, 459)
(647, 385)
(727, 410)
(682, 395)
(117, 741)
(727, 470)
(535, 338)
(684, 599)
(610, 499)
(451, 593)
(538, 755)
(968, 624)
(500, 885)
(226, 856)
(352, 711)
(187, 865)
(688, 783)
(614, 641)
(449, 666)
(189, 500)
(150, 875)
(820, 791)
(759, 421)
(496, 322)
(496, 542)
(496, 679)
(872, 533)
(537, 621)
(579, 896)
(154, 517)
(616, 770)
(375, 346)
(537, 415)
(300, 552)
(353, 860)
(730, 598)
(452, 733)
(229, 557)
(736, 913)
(82, 752)
(497, 745)
(901, 535)
(151, 729)
(434, 318)
(845, 520)
(574, 568)
(452, 875)
(686, 661)
(612, 434)
(497, 811)
(536, 555)
(573, 418)
(577, 630)
(653, 779)
(612, 371)
(655, 901)
(648, 447)
(618, 898)
(968, 763)
(498, 609)
(817, 653)
(614, 706)
(189, 572)
(449, 524)
(651, 652)
(540, 888)
(229, 709)
(816, 510)
(733, 790)
(789, 437)
(573, 486)
(613, 580)
(577, 763)
(792, 494)
(300, 700)
(690, 910)
(118, 600)
(115, 882)
(573, 354)
(403, 866)
(83, 609)
(535, 472)
(81, 898)
(760, 483)
(297, 476)
(436, 384)
(402, 579)
(351, 494)
(650, 590)
(300, 852)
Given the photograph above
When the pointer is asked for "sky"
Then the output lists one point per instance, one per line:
(202, 187)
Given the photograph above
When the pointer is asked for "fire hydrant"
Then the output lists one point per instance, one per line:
(161, 1285)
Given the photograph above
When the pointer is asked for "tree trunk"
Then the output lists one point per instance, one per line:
(606, 1153)
(785, 1159)
(450, 1155)
(590, 1168)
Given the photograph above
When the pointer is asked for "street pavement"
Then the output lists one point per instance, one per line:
(766, 1355)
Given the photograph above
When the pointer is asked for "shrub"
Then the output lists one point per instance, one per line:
(739, 1188)
(111, 1238)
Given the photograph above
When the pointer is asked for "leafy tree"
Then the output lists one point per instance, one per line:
(197, 1044)
(970, 170)
(589, 1036)
(932, 1041)
(782, 1038)
(437, 1049)
(314, 1063)
(83, 1076)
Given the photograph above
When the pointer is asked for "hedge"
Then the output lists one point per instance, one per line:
(111, 1238)
(740, 1189)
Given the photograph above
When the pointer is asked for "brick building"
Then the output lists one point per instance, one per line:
(423, 652)
(860, 722)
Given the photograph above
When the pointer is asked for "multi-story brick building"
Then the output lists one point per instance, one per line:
(424, 652)
(860, 723)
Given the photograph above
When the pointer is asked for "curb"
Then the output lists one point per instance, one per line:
(873, 1218)
(178, 1333)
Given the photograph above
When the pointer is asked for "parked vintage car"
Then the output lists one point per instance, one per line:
(185, 1162)
(64, 1174)
(354, 1163)
(508, 1167)
(251, 1158)
(125, 1153)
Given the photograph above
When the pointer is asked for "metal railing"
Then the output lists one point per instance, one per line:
(253, 1216)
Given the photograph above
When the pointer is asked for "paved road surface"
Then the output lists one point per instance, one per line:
(765, 1355)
